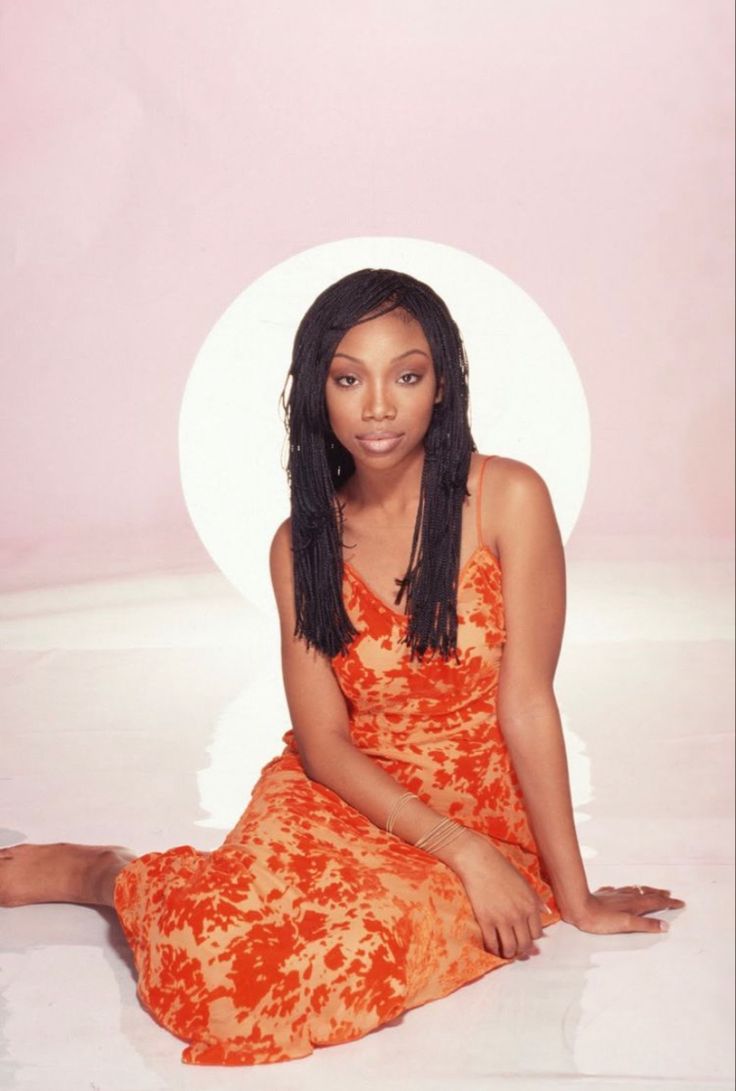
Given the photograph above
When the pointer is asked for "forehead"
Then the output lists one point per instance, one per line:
(396, 330)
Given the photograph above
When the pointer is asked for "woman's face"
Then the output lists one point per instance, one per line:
(381, 389)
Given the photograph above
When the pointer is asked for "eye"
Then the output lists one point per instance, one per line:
(345, 380)
(412, 378)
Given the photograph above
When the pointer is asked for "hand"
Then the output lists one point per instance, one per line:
(619, 909)
(507, 908)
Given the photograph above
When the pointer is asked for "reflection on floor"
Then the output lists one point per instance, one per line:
(139, 710)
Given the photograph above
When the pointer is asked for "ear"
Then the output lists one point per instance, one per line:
(440, 392)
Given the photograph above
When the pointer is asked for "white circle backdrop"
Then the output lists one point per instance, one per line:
(526, 398)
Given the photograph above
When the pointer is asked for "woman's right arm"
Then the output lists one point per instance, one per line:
(319, 718)
(506, 907)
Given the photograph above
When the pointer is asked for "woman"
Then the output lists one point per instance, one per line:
(417, 829)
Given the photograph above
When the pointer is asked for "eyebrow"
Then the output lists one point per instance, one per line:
(356, 360)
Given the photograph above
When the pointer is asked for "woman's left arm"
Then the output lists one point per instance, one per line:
(533, 573)
(534, 596)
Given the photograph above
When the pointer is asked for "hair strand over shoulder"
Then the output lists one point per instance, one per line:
(319, 465)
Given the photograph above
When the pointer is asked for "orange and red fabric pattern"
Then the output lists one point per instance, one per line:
(311, 926)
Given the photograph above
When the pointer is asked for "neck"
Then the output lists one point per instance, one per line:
(393, 494)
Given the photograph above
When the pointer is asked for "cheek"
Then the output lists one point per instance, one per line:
(429, 400)
(335, 412)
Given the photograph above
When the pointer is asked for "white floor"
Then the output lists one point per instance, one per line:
(139, 710)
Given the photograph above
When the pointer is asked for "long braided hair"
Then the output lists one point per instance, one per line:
(318, 465)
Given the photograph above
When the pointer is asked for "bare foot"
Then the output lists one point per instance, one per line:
(82, 874)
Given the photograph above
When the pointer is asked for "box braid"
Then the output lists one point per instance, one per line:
(318, 465)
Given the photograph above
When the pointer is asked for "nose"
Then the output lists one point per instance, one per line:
(378, 404)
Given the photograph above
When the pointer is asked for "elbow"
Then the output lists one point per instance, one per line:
(308, 759)
(320, 758)
(518, 712)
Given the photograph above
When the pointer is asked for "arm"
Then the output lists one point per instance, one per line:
(506, 908)
(534, 599)
(319, 719)
(533, 567)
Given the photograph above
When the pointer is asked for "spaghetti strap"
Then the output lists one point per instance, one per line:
(478, 499)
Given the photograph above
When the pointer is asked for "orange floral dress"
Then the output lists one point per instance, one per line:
(311, 926)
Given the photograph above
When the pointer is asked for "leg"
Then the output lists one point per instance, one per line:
(83, 874)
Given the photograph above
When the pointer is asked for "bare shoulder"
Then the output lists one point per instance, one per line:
(281, 540)
(280, 561)
(507, 477)
(516, 505)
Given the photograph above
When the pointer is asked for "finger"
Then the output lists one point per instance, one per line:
(546, 919)
(535, 926)
(660, 901)
(665, 898)
(638, 904)
(655, 890)
(647, 890)
(664, 894)
(490, 942)
(508, 940)
(646, 924)
(523, 938)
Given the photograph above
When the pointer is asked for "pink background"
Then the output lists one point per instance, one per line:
(159, 156)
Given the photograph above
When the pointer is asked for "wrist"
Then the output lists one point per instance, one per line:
(457, 852)
(574, 911)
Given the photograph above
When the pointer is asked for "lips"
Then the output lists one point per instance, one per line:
(379, 442)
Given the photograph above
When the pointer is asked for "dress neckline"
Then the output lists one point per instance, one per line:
(481, 548)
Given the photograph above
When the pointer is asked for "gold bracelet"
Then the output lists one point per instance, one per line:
(436, 835)
(398, 804)
(449, 837)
